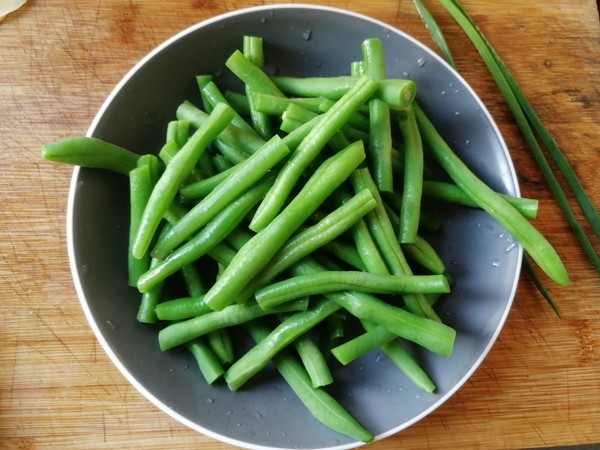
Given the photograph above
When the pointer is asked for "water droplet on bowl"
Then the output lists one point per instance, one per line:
(85, 270)
(495, 263)
(421, 61)
(210, 400)
(307, 35)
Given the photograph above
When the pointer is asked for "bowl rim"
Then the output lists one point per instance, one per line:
(73, 192)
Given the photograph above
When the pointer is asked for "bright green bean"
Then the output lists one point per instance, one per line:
(175, 173)
(253, 50)
(317, 400)
(253, 256)
(397, 93)
(431, 334)
(452, 193)
(179, 333)
(309, 239)
(333, 281)
(140, 187)
(245, 175)
(207, 361)
(308, 149)
(396, 352)
(380, 131)
(314, 361)
(410, 207)
(540, 250)
(91, 152)
(214, 232)
(425, 255)
(283, 335)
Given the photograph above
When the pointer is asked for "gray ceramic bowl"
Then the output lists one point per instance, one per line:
(302, 41)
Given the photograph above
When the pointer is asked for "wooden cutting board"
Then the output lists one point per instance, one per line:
(540, 384)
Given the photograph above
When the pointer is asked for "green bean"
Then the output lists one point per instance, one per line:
(202, 188)
(452, 193)
(182, 308)
(276, 105)
(314, 361)
(385, 237)
(284, 334)
(317, 400)
(380, 131)
(333, 281)
(193, 281)
(252, 48)
(221, 344)
(207, 361)
(175, 173)
(214, 232)
(431, 334)
(250, 74)
(150, 299)
(91, 152)
(312, 238)
(367, 249)
(362, 344)
(397, 93)
(540, 250)
(178, 131)
(179, 333)
(308, 149)
(245, 175)
(168, 152)
(396, 352)
(212, 95)
(257, 252)
(238, 101)
(235, 138)
(421, 252)
(140, 187)
(410, 207)
(345, 253)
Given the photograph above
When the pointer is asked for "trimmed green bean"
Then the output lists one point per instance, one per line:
(212, 95)
(140, 187)
(235, 138)
(251, 74)
(178, 131)
(397, 93)
(396, 352)
(333, 281)
(410, 206)
(431, 334)
(308, 149)
(380, 130)
(207, 361)
(257, 252)
(221, 344)
(253, 50)
(91, 152)
(214, 232)
(425, 255)
(175, 173)
(179, 333)
(317, 400)
(314, 361)
(312, 238)
(387, 242)
(283, 335)
(246, 174)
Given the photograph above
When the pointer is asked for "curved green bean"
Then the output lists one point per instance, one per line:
(333, 281)
(257, 252)
(91, 152)
(540, 250)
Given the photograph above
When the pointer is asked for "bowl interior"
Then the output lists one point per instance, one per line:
(301, 41)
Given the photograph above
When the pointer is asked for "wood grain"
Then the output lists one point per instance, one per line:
(538, 387)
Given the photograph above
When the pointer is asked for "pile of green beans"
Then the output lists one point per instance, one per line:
(292, 209)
